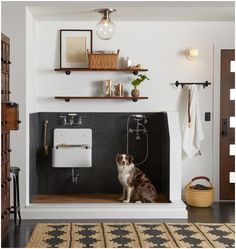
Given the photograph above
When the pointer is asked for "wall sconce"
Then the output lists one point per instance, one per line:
(105, 29)
(191, 53)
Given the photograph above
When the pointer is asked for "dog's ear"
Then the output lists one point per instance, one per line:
(118, 156)
(131, 159)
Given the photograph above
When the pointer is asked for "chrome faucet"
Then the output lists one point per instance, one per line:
(72, 118)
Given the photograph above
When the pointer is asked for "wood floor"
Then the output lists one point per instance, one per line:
(220, 212)
(85, 198)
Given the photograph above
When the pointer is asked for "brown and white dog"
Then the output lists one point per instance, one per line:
(136, 185)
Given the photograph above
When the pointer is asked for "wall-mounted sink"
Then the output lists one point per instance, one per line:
(72, 148)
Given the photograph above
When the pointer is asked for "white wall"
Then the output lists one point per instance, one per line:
(14, 26)
(158, 46)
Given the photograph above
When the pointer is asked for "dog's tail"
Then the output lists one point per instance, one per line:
(156, 199)
(153, 199)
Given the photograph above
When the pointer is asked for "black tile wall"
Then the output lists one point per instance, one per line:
(34, 176)
(109, 138)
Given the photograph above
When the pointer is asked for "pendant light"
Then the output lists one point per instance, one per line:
(105, 29)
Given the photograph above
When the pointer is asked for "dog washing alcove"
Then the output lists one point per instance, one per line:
(95, 194)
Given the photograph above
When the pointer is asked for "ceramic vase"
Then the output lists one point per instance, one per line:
(135, 92)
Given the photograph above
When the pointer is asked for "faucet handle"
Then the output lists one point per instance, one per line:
(64, 119)
(80, 121)
(72, 114)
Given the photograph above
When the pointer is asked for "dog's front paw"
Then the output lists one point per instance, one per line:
(121, 198)
(126, 201)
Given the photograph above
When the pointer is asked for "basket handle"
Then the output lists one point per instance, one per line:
(198, 178)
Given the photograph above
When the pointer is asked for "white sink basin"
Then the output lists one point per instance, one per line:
(72, 148)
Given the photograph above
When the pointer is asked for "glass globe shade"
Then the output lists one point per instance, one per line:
(105, 29)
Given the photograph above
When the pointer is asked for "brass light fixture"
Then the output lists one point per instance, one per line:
(191, 53)
(105, 28)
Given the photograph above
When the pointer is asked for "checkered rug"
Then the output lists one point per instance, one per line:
(133, 235)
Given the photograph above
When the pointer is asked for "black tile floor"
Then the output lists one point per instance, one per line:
(220, 212)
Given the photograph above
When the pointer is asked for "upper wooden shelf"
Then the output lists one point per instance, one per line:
(68, 70)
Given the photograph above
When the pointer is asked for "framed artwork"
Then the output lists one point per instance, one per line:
(74, 47)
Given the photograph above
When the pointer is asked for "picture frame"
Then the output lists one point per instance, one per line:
(74, 47)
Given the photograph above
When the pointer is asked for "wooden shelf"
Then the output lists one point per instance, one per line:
(68, 70)
(68, 98)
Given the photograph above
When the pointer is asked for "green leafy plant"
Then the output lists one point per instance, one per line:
(137, 81)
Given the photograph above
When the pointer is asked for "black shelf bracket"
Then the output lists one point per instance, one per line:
(69, 72)
(68, 100)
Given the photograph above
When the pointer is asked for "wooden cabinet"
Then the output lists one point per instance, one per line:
(9, 121)
(10, 116)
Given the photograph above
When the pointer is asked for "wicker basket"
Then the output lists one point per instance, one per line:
(103, 61)
(199, 198)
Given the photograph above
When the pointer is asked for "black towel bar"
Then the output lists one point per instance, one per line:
(204, 84)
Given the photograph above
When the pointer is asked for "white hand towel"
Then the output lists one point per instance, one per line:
(192, 129)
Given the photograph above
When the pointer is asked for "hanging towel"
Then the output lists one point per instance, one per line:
(192, 129)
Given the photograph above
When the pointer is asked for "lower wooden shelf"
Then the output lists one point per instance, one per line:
(68, 98)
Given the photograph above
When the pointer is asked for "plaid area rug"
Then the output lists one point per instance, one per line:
(133, 235)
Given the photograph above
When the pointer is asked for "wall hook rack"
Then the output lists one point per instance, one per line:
(204, 84)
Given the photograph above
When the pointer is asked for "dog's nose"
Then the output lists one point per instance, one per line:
(123, 162)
